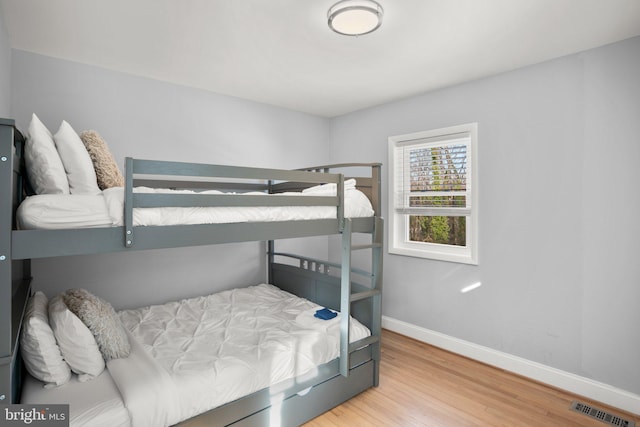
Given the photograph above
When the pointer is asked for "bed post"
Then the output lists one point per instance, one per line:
(376, 184)
(6, 178)
(376, 268)
(270, 260)
(128, 202)
(15, 276)
(345, 298)
(340, 194)
(270, 245)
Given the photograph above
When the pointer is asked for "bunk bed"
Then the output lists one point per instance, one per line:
(355, 293)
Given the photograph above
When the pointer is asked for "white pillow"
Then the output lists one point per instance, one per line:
(76, 161)
(40, 353)
(76, 341)
(331, 188)
(44, 167)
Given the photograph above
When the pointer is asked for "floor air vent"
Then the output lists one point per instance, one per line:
(600, 415)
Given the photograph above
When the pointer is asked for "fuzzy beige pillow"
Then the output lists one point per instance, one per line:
(102, 320)
(107, 172)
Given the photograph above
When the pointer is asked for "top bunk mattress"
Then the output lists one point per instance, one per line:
(59, 211)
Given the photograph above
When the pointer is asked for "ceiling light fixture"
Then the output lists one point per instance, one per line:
(355, 17)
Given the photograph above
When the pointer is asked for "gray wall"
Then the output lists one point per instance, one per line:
(5, 69)
(558, 241)
(559, 150)
(144, 118)
(609, 215)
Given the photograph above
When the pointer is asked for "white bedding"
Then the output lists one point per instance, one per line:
(58, 211)
(197, 354)
(95, 403)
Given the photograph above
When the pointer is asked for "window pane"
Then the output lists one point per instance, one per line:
(440, 168)
(448, 230)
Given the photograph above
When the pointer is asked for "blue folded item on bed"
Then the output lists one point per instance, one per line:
(325, 314)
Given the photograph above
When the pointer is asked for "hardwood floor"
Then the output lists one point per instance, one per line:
(421, 385)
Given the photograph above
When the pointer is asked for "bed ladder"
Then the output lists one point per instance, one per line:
(375, 294)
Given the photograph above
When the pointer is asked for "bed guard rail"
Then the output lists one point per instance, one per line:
(168, 174)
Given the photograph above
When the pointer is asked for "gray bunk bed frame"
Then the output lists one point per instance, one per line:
(335, 285)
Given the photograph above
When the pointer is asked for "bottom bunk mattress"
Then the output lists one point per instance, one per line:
(190, 356)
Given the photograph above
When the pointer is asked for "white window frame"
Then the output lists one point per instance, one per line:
(398, 230)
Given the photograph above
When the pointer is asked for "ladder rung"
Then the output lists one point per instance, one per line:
(371, 246)
(363, 343)
(362, 295)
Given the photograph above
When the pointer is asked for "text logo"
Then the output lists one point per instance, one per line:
(34, 415)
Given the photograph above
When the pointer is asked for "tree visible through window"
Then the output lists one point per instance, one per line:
(447, 230)
(441, 172)
(432, 206)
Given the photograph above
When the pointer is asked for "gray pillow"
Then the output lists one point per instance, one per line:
(102, 321)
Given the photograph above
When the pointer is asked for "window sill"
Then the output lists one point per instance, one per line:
(449, 254)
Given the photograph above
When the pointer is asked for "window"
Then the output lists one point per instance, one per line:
(433, 206)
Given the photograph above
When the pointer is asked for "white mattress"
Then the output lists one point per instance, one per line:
(94, 403)
(56, 211)
(212, 350)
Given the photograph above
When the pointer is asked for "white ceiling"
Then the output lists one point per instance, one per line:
(281, 52)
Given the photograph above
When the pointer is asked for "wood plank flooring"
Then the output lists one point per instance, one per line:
(421, 385)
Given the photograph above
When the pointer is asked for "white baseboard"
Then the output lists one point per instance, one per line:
(582, 386)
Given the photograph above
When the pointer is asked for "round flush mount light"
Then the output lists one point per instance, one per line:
(355, 17)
